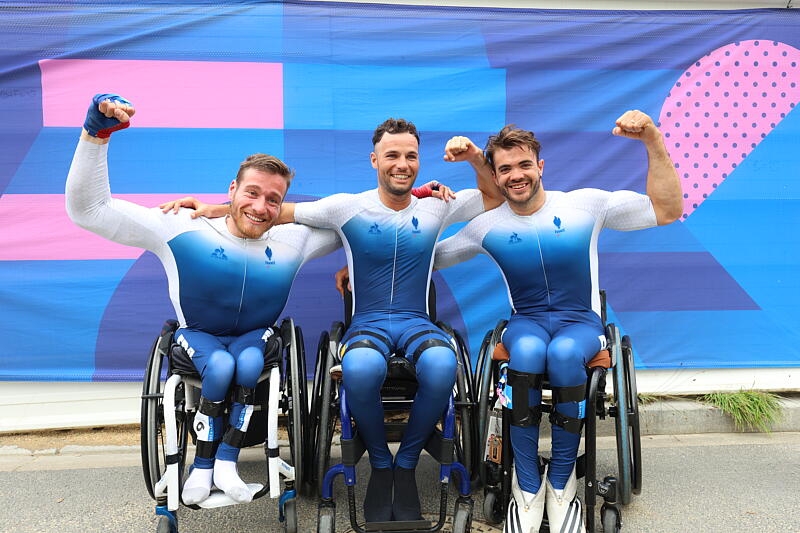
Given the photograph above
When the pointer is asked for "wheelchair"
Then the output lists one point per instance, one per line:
(494, 426)
(170, 398)
(451, 445)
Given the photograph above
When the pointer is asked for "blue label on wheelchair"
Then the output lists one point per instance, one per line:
(582, 409)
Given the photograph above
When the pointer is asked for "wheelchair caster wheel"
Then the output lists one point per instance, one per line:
(326, 519)
(462, 521)
(611, 519)
(165, 526)
(290, 516)
(491, 507)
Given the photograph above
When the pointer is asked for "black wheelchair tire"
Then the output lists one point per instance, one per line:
(314, 411)
(633, 415)
(623, 429)
(462, 519)
(327, 419)
(296, 391)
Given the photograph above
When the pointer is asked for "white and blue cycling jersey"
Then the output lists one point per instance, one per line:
(218, 283)
(389, 253)
(549, 259)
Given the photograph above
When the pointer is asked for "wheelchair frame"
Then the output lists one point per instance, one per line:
(615, 490)
(328, 400)
(168, 410)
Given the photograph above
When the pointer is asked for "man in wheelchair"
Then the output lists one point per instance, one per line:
(229, 280)
(545, 243)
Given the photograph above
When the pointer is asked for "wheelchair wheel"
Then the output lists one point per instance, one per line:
(153, 434)
(326, 519)
(462, 518)
(290, 516)
(316, 405)
(326, 404)
(164, 526)
(465, 431)
(296, 392)
(492, 507)
(610, 519)
(622, 426)
(487, 396)
(633, 414)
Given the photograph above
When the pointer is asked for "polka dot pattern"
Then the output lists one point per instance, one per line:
(722, 107)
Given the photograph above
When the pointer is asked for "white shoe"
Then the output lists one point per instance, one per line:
(526, 510)
(564, 508)
(198, 486)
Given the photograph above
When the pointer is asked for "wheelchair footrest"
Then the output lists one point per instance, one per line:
(412, 525)
(217, 498)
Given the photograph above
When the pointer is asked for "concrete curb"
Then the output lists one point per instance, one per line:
(669, 417)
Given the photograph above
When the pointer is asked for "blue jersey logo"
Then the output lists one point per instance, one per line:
(219, 253)
(557, 223)
(268, 253)
(374, 229)
(415, 223)
(514, 239)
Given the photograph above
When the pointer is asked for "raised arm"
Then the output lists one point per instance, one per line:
(88, 194)
(463, 149)
(663, 184)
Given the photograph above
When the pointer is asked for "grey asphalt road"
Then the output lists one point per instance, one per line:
(692, 483)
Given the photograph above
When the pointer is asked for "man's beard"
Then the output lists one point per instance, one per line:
(535, 184)
(396, 190)
(244, 227)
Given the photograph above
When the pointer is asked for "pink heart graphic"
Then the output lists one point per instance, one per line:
(722, 107)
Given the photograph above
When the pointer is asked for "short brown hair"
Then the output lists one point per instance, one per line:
(394, 125)
(511, 137)
(266, 163)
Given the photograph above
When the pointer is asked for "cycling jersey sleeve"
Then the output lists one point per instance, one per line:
(319, 242)
(467, 205)
(329, 212)
(461, 247)
(90, 205)
(628, 210)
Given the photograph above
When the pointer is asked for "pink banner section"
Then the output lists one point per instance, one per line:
(25, 237)
(167, 94)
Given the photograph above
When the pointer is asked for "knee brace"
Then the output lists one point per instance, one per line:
(235, 434)
(522, 413)
(208, 436)
(569, 394)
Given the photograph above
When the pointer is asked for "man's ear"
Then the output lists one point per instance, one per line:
(373, 159)
(494, 178)
(541, 166)
(231, 190)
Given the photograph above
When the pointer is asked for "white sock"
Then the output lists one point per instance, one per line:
(198, 486)
(227, 479)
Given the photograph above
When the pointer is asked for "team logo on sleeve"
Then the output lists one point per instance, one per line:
(374, 229)
(268, 253)
(219, 253)
(557, 224)
(415, 223)
(514, 239)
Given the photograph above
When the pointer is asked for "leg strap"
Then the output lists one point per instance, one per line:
(569, 394)
(234, 437)
(522, 413)
(206, 449)
(212, 409)
(430, 343)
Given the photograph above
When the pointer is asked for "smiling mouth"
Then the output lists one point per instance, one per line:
(400, 177)
(254, 219)
(519, 185)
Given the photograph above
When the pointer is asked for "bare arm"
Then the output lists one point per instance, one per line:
(202, 209)
(663, 184)
(463, 149)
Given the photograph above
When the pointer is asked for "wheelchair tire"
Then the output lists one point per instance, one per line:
(290, 516)
(326, 520)
(462, 519)
(327, 420)
(152, 418)
(487, 378)
(164, 526)
(622, 426)
(465, 431)
(633, 415)
(492, 507)
(296, 391)
(610, 519)
(314, 411)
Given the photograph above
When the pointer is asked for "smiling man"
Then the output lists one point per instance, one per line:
(229, 279)
(545, 243)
